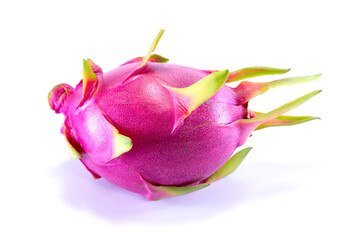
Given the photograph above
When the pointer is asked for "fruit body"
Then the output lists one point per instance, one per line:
(163, 130)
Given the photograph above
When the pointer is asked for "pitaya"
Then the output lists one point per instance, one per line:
(164, 130)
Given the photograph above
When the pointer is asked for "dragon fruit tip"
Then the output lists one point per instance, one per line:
(58, 96)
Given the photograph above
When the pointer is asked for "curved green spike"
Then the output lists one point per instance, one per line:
(229, 166)
(171, 191)
(152, 48)
(292, 81)
(283, 120)
(89, 77)
(189, 98)
(122, 144)
(246, 126)
(89, 80)
(95, 68)
(157, 58)
(250, 72)
(147, 57)
(202, 90)
(153, 192)
(256, 121)
(247, 90)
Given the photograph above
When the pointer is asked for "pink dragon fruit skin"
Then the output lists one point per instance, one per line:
(163, 130)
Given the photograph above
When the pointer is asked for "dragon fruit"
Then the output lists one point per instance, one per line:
(164, 130)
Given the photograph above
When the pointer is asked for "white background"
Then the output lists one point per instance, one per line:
(299, 182)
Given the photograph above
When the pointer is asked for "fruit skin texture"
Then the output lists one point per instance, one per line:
(163, 130)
